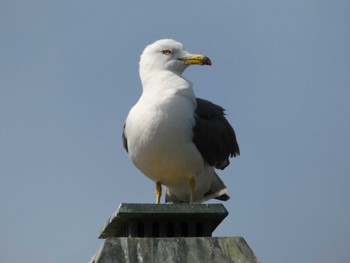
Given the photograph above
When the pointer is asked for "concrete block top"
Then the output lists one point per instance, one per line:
(164, 220)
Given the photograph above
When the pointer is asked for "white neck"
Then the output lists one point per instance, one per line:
(163, 83)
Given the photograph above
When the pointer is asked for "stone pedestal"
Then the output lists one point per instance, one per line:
(169, 233)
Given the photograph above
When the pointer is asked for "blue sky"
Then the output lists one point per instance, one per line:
(69, 75)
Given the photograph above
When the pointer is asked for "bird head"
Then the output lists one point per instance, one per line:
(169, 55)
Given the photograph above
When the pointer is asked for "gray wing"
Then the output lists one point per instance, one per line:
(213, 134)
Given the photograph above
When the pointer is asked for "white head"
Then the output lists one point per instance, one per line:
(168, 55)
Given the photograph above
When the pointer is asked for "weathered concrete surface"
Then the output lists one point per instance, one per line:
(175, 250)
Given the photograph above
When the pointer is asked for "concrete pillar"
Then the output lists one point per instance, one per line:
(169, 233)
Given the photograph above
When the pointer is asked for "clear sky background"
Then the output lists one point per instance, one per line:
(69, 75)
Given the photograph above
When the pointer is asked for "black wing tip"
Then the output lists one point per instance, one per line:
(224, 197)
(235, 153)
(125, 141)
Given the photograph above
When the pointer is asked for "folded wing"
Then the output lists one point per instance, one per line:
(213, 134)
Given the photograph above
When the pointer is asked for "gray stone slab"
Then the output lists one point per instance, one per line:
(175, 250)
(164, 220)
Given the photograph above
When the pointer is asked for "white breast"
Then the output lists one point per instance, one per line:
(159, 135)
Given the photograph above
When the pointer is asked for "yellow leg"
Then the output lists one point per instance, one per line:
(192, 185)
(158, 192)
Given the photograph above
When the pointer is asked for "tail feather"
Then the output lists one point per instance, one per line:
(217, 190)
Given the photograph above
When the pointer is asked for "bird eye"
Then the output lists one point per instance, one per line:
(167, 52)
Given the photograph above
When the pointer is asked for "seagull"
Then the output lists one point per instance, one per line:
(172, 137)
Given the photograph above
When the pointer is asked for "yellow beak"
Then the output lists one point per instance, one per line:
(196, 59)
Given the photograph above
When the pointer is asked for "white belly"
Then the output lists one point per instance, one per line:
(160, 143)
